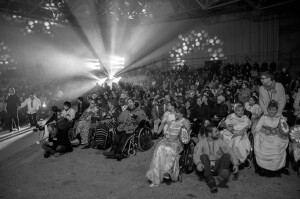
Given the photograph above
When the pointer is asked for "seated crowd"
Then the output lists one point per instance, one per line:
(237, 116)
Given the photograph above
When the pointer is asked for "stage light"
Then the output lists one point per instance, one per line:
(111, 77)
(101, 81)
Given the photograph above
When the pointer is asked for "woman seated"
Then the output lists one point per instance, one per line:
(168, 116)
(236, 133)
(253, 107)
(165, 161)
(270, 143)
(83, 125)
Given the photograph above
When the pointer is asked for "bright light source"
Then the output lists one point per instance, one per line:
(116, 80)
(111, 77)
(101, 81)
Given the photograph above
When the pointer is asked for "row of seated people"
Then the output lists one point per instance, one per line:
(81, 126)
(214, 151)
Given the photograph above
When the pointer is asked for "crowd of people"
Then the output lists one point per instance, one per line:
(237, 116)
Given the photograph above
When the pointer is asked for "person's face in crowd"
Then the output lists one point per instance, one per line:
(114, 95)
(214, 134)
(31, 97)
(199, 101)
(219, 100)
(11, 91)
(94, 95)
(52, 131)
(130, 104)
(244, 86)
(272, 111)
(178, 115)
(284, 70)
(265, 80)
(204, 98)
(170, 107)
(187, 104)
(239, 111)
(167, 98)
(251, 101)
(66, 107)
(206, 123)
(106, 97)
(92, 103)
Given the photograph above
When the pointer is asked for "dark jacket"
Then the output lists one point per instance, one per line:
(80, 109)
(201, 112)
(13, 103)
(52, 118)
(220, 110)
(61, 139)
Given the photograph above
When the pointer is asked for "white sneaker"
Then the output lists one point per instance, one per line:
(153, 185)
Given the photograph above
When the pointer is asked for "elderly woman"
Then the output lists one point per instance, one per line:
(269, 143)
(84, 123)
(220, 110)
(165, 161)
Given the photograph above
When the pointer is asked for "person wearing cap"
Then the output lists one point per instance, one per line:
(271, 90)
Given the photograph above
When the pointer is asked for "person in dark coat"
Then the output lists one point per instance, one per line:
(12, 104)
(58, 142)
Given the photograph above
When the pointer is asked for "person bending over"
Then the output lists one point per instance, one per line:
(58, 142)
(213, 156)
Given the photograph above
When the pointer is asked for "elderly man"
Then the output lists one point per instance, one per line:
(271, 90)
(127, 122)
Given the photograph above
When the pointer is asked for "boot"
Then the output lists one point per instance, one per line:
(212, 186)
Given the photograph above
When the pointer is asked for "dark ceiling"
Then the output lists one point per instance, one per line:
(140, 11)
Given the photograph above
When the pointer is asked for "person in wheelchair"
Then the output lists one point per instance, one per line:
(235, 134)
(165, 161)
(128, 120)
(212, 156)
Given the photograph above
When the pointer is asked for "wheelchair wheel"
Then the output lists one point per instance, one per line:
(143, 139)
(189, 165)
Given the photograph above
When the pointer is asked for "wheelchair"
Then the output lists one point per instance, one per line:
(186, 161)
(140, 140)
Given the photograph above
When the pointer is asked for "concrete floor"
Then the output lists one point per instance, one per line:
(88, 174)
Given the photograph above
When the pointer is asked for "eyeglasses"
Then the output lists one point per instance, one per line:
(263, 78)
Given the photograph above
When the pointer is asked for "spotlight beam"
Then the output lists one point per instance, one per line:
(72, 19)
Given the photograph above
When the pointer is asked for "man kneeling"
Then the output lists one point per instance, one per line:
(212, 155)
(58, 142)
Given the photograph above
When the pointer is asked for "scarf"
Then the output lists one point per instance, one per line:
(271, 88)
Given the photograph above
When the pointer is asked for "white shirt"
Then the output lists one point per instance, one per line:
(32, 105)
(69, 114)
